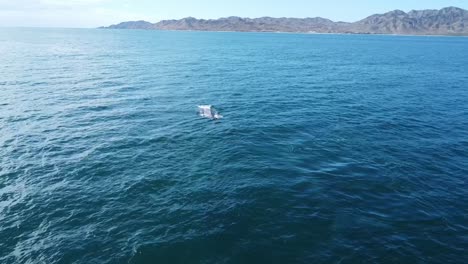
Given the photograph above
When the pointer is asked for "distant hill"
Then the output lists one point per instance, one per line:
(447, 21)
(132, 25)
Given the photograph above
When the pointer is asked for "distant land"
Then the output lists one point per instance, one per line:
(446, 21)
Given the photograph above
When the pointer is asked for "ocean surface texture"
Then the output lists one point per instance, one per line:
(332, 149)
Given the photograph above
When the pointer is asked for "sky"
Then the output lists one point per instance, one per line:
(94, 13)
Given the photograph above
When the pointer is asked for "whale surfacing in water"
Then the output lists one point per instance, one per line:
(208, 111)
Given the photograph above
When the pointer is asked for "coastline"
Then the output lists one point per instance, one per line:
(285, 32)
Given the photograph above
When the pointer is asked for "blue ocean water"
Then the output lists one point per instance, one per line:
(333, 148)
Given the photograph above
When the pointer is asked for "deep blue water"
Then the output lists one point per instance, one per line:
(333, 148)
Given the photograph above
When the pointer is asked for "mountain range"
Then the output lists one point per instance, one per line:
(446, 21)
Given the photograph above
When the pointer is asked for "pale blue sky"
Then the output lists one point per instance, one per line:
(93, 13)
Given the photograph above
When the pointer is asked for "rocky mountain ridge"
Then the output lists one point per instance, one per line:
(446, 21)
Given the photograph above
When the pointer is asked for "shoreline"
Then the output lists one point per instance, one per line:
(284, 32)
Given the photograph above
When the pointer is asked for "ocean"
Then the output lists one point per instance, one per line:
(332, 149)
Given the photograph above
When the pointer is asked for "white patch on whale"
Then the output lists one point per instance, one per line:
(208, 111)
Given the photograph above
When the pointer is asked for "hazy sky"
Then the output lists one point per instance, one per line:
(93, 13)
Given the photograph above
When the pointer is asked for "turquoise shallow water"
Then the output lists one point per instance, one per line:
(333, 148)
